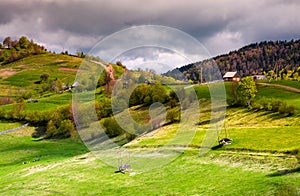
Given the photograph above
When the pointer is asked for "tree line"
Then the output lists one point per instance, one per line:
(275, 59)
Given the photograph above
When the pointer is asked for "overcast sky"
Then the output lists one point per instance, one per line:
(221, 26)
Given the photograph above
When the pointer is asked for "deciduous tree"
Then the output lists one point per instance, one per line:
(7, 42)
(247, 90)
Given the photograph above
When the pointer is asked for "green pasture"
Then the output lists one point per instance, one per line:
(55, 167)
(291, 83)
(5, 125)
(292, 98)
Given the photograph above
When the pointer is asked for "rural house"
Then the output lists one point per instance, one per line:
(231, 76)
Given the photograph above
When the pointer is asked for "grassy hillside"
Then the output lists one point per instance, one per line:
(290, 97)
(24, 75)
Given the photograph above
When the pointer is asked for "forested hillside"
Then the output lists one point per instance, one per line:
(274, 59)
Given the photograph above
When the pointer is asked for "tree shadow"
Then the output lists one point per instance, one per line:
(284, 172)
(215, 120)
(39, 132)
(217, 147)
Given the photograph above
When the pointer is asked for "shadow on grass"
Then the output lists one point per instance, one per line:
(217, 147)
(285, 172)
(24, 150)
(215, 120)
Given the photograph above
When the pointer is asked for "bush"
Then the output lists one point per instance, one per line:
(130, 136)
(63, 130)
(256, 106)
(147, 94)
(291, 110)
(147, 100)
(173, 115)
(103, 108)
(275, 104)
(51, 129)
(66, 129)
(112, 128)
(266, 104)
(282, 108)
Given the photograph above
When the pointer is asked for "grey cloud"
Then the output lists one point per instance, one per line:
(76, 24)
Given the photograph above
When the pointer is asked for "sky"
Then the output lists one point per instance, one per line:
(220, 26)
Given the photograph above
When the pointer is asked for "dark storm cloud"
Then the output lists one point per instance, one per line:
(221, 26)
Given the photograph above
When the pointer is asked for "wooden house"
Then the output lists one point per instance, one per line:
(231, 76)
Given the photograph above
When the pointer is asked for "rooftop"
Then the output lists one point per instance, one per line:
(230, 74)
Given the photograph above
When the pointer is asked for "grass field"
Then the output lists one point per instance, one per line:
(64, 167)
(23, 76)
(5, 125)
(259, 162)
(46, 103)
(290, 97)
(291, 83)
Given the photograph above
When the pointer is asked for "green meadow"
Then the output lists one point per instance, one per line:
(54, 167)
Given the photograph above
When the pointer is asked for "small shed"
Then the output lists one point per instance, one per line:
(259, 77)
(231, 76)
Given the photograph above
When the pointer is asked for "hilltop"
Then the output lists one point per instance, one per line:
(271, 58)
(13, 50)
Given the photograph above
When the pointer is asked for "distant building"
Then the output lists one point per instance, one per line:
(231, 76)
(259, 77)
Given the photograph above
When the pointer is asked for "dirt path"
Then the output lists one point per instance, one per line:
(14, 129)
(281, 86)
(98, 63)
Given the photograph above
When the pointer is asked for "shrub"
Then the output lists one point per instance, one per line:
(103, 108)
(63, 130)
(275, 104)
(282, 108)
(66, 129)
(256, 106)
(266, 104)
(112, 128)
(173, 115)
(51, 129)
(147, 94)
(291, 110)
(130, 136)
(147, 100)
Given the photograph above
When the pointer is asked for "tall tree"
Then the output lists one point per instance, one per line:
(247, 90)
(23, 41)
(7, 42)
